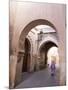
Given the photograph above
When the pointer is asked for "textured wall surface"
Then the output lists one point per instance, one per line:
(21, 14)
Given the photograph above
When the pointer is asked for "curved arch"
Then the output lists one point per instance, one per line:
(39, 22)
(46, 43)
(44, 50)
(47, 40)
(32, 24)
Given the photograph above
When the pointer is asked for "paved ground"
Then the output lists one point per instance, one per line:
(41, 78)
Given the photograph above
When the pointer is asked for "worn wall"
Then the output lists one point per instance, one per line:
(22, 13)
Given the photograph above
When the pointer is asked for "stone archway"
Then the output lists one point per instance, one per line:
(21, 41)
(31, 25)
(23, 35)
(43, 50)
(22, 25)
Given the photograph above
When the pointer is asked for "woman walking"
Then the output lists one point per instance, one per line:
(53, 68)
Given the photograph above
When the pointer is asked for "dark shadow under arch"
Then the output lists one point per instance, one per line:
(26, 60)
(46, 44)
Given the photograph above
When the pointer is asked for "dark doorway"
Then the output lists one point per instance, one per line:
(26, 60)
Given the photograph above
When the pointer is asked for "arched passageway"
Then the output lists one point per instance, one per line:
(21, 24)
(44, 51)
(25, 48)
(29, 27)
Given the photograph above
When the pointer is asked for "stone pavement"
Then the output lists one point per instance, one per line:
(40, 78)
